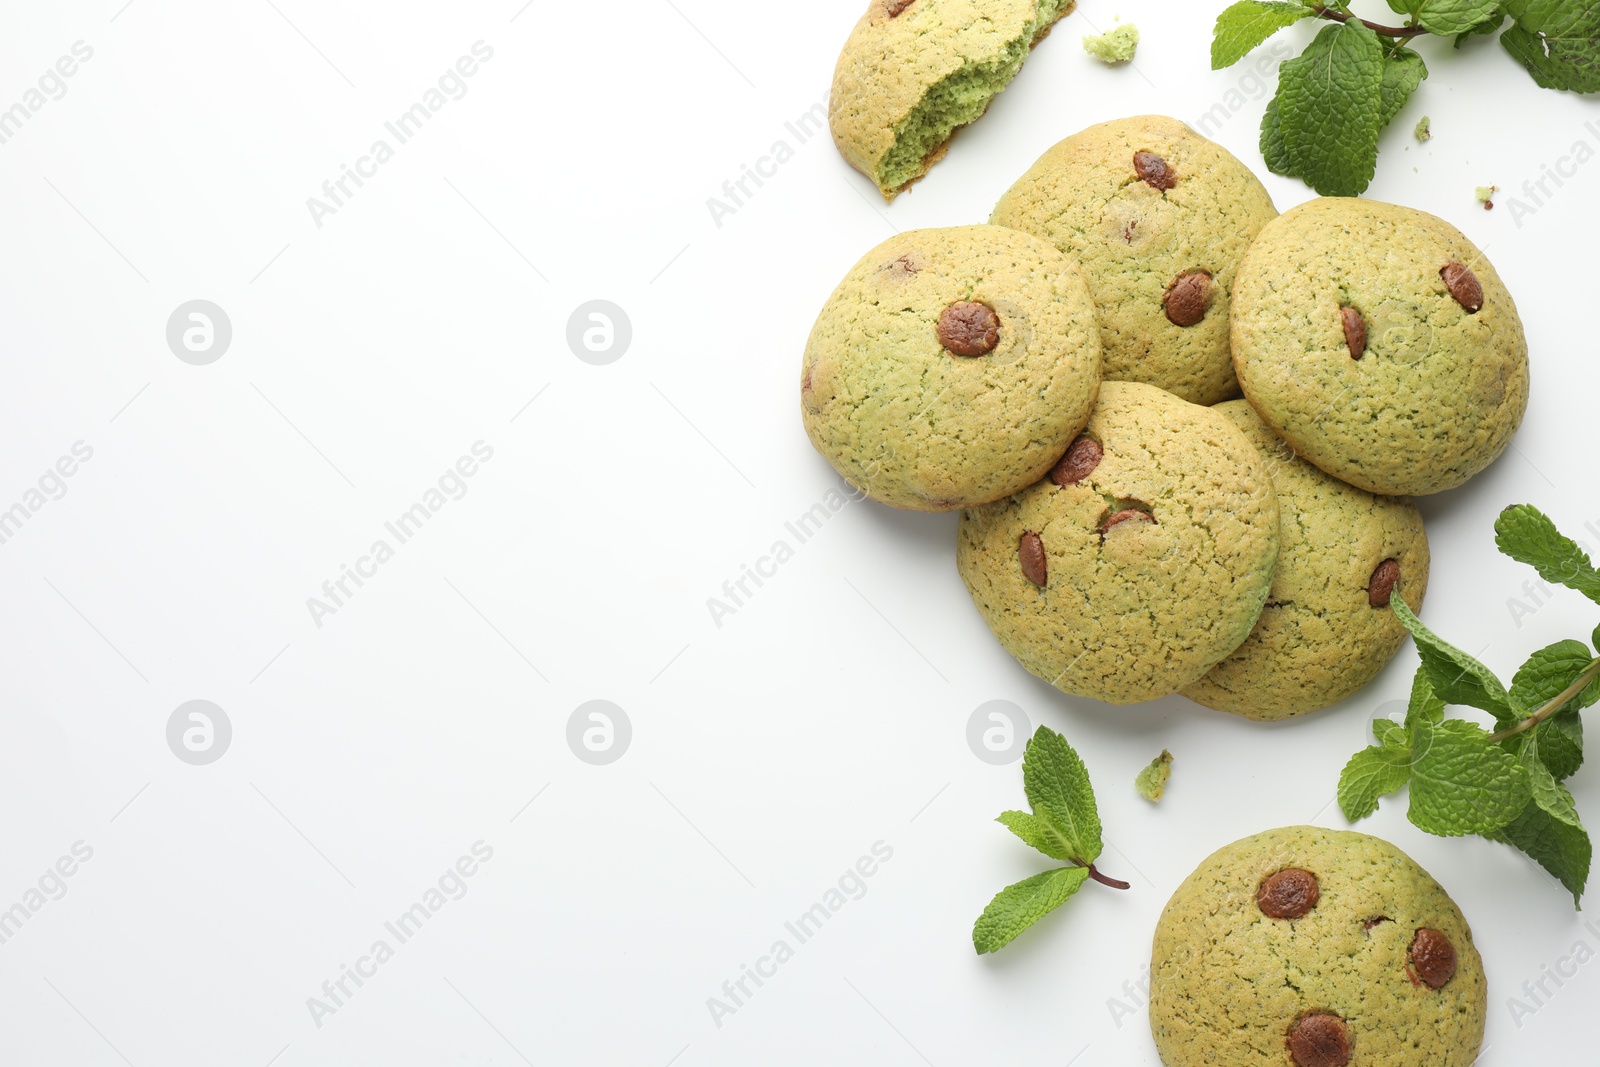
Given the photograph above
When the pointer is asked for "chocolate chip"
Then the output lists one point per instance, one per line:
(1154, 171)
(1385, 576)
(1370, 923)
(894, 7)
(1081, 458)
(1319, 1040)
(1289, 894)
(1463, 285)
(1030, 553)
(1186, 298)
(1355, 331)
(1433, 957)
(1125, 515)
(968, 328)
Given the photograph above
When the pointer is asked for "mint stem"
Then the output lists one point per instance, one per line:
(1114, 883)
(1578, 685)
(1397, 32)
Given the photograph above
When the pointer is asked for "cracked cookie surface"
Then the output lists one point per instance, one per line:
(951, 367)
(1148, 208)
(1431, 387)
(1140, 563)
(1354, 972)
(1320, 637)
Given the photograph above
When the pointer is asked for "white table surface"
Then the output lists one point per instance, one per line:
(374, 745)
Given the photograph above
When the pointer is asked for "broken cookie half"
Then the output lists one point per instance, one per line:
(915, 71)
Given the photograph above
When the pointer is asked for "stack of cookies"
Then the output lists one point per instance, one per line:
(1067, 376)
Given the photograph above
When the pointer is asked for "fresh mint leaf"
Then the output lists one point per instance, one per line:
(1243, 26)
(1561, 744)
(1402, 73)
(1425, 706)
(1372, 773)
(1563, 850)
(1273, 150)
(1385, 767)
(1527, 535)
(1456, 677)
(1550, 795)
(1029, 830)
(1332, 99)
(1019, 906)
(1064, 825)
(1549, 672)
(1057, 785)
(1488, 27)
(1405, 7)
(1389, 732)
(1548, 829)
(1448, 17)
(1558, 41)
(1462, 784)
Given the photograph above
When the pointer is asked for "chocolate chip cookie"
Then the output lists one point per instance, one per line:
(1315, 948)
(951, 367)
(1140, 562)
(914, 71)
(1381, 344)
(1158, 217)
(1327, 629)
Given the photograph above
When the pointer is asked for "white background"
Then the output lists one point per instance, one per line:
(827, 714)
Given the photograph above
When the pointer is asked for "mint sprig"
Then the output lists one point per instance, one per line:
(1506, 786)
(1558, 41)
(1337, 97)
(1064, 825)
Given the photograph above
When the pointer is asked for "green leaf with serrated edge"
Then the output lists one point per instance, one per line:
(1372, 773)
(1425, 705)
(1558, 41)
(1273, 150)
(1462, 784)
(1527, 535)
(1057, 785)
(1029, 829)
(1486, 28)
(1447, 17)
(1550, 795)
(1243, 26)
(1390, 733)
(1549, 671)
(1546, 675)
(1405, 7)
(1563, 850)
(1402, 73)
(1332, 99)
(1559, 741)
(1561, 744)
(1019, 906)
(1456, 677)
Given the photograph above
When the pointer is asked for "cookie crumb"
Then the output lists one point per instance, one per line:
(1485, 195)
(1117, 46)
(1152, 781)
(1424, 130)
